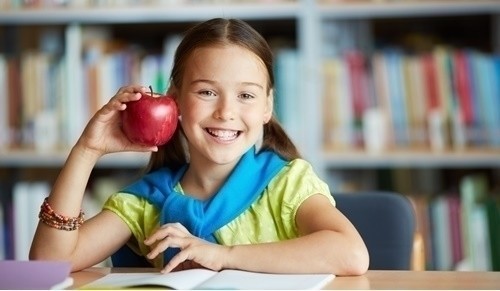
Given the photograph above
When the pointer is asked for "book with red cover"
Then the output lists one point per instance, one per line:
(35, 275)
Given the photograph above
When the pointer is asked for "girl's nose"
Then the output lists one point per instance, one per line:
(224, 110)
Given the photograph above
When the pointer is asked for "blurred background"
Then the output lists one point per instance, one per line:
(392, 95)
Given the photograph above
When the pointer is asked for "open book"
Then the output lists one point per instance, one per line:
(35, 275)
(207, 279)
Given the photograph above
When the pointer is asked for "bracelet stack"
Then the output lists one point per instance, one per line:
(48, 216)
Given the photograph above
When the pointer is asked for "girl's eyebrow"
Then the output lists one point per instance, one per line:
(252, 84)
(202, 81)
(213, 82)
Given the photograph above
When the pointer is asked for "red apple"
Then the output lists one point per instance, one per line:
(151, 120)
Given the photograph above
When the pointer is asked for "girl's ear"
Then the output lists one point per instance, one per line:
(269, 107)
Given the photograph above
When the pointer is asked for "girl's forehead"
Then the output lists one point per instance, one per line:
(225, 57)
(224, 49)
(219, 62)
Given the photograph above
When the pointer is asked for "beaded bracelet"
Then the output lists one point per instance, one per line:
(48, 216)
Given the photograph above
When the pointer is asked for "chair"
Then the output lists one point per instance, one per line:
(386, 222)
(125, 257)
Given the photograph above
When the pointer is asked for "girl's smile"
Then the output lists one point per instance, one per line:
(223, 135)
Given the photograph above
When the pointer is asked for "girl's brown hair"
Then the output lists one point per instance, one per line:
(220, 31)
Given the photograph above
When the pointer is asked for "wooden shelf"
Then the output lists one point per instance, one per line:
(374, 9)
(31, 159)
(151, 14)
(332, 159)
(473, 158)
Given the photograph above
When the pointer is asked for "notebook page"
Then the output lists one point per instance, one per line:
(187, 279)
(236, 279)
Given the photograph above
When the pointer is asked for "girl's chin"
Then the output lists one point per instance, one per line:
(225, 156)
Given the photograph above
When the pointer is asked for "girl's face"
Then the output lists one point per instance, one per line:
(224, 103)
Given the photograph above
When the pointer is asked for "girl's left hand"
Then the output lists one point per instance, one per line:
(194, 252)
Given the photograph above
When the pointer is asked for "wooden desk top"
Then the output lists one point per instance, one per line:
(371, 280)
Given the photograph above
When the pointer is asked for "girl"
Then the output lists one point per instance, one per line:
(228, 191)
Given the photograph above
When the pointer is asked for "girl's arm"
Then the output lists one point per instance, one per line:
(100, 236)
(329, 243)
(95, 239)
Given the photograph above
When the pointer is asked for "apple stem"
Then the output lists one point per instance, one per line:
(151, 90)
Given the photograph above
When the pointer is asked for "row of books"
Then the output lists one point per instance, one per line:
(30, 4)
(446, 98)
(461, 230)
(457, 211)
(19, 215)
(48, 98)
(42, 108)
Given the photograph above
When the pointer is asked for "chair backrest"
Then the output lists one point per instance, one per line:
(125, 257)
(386, 222)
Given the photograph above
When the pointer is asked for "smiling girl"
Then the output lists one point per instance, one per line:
(228, 191)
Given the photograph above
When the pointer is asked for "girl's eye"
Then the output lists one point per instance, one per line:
(247, 96)
(207, 93)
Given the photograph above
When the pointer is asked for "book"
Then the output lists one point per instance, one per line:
(208, 279)
(493, 216)
(287, 90)
(35, 275)
(338, 104)
(27, 198)
(3, 229)
(4, 104)
(440, 231)
(474, 223)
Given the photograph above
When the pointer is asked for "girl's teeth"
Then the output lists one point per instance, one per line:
(223, 134)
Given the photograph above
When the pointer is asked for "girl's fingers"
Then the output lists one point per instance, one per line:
(119, 101)
(144, 149)
(178, 259)
(169, 235)
(169, 229)
(132, 89)
(126, 94)
(179, 226)
(169, 242)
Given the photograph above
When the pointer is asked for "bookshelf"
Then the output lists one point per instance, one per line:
(314, 30)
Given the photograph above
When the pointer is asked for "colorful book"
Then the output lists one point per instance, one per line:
(462, 84)
(441, 233)
(496, 100)
(475, 234)
(397, 97)
(339, 107)
(288, 88)
(493, 217)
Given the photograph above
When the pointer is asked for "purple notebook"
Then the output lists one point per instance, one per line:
(35, 275)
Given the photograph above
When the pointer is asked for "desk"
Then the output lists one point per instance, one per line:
(371, 280)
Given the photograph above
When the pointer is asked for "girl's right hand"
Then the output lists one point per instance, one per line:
(103, 133)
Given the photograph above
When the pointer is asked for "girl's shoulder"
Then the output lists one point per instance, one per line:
(297, 170)
(134, 210)
(296, 182)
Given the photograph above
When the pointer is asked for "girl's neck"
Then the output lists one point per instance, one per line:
(203, 180)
